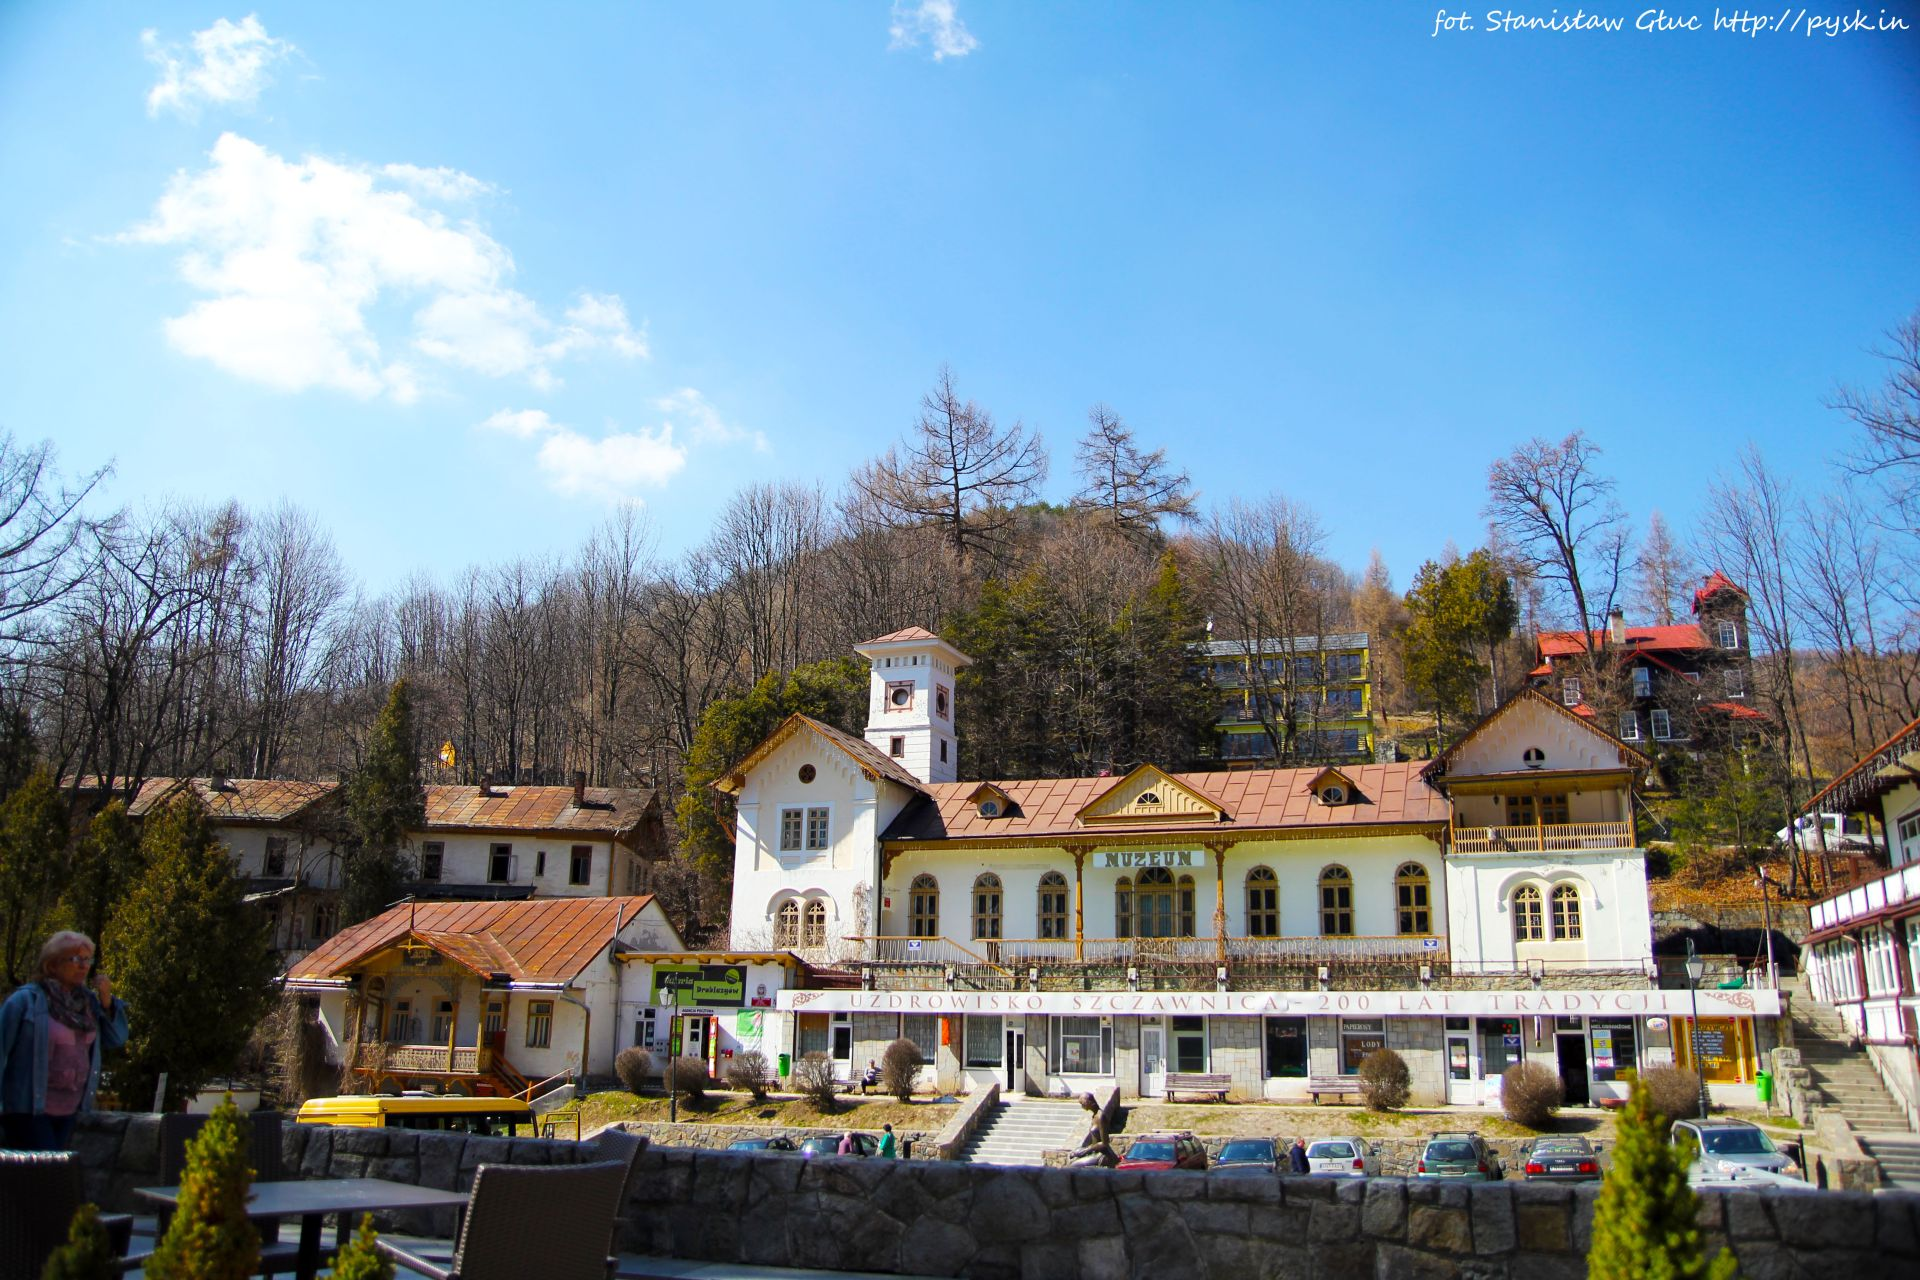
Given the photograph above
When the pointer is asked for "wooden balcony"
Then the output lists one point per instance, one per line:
(1021, 953)
(436, 1059)
(1551, 837)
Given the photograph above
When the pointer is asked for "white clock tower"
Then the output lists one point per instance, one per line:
(910, 701)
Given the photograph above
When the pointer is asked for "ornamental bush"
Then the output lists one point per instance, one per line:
(748, 1072)
(1673, 1091)
(900, 1065)
(633, 1066)
(87, 1255)
(1530, 1094)
(813, 1077)
(1384, 1080)
(358, 1259)
(1644, 1222)
(210, 1237)
(688, 1078)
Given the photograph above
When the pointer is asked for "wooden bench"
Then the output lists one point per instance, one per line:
(1344, 1087)
(1199, 1082)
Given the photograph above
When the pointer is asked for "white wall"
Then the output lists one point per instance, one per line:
(467, 854)
(1900, 802)
(1616, 916)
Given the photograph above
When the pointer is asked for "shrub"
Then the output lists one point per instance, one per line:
(748, 1071)
(87, 1255)
(358, 1259)
(1644, 1222)
(1384, 1080)
(210, 1237)
(1530, 1094)
(688, 1077)
(900, 1065)
(813, 1076)
(633, 1066)
(1673, 1091)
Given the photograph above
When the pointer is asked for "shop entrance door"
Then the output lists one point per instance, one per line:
(1016, 1059)
(1572, 1047)
(842, 1050)
(1463, 1089)
(1153, 1060)
(693, 1036)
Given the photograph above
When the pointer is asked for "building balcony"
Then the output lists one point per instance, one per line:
(430, 1059)
(1022, 953)
(1549, 837)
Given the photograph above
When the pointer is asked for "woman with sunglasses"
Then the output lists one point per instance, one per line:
(52, 1032)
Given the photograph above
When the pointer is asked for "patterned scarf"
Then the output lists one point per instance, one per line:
(69, 1004)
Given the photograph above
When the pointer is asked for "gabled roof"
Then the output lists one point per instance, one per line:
(1319, 781)
(992, 791)
(1715, 583)
(1254, 799)
(1876, 772)
(1582, 715)
(1680, 637)
(235, 800)
(867, 757)
(609, 812)
(1121, 802)
(539, 940)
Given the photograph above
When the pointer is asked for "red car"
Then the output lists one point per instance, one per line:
(1153, 1151)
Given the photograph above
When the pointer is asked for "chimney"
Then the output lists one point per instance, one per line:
(579, 788)
(217, 782)
(1617, 627)
(486, 782)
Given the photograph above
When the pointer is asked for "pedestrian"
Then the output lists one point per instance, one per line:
(52, 1032)
(1297, 1157)
(871, 1080)
(846, 1147)
(888, 1150)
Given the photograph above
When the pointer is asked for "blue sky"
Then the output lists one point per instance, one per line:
(456, 278)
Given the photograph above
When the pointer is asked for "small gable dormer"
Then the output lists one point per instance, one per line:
(990, 801)
(1334, 789)
(1150, 794)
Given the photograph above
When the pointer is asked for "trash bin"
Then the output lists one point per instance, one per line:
(1763, 1085)
(786, 1065)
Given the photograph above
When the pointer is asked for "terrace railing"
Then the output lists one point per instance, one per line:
(1551, 837)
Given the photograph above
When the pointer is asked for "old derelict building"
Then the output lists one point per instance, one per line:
(1270, 925)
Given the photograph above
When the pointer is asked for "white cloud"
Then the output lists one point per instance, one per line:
(614, 465)
(703, 422)
(227, 65)
(294, 259)
(933, 22)
(525, 423)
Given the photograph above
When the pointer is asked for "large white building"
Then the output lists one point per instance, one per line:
(1269, 925)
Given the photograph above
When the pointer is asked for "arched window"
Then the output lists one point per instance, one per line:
(1566, 913)
(786, 924)
(1411, 890)
(1053, 905)
(1527, 924)
(1123, 908)
(923, 908)
(1336, 902)
(1161, 908)
(1263, 903)
(986, 906)
(815, 932)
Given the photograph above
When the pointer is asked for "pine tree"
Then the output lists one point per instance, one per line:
(191, 957)
(88, 1253)
(33, 859)
(105, 864)
(210, 1237)
(1644, 1222)
(359, 1260)
(384, 801)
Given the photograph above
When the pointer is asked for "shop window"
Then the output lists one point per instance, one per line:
(923, 907)
(983, 1035)
(1189, 1043)
(1612, 1048)
(1411, 890)
(1336, 903)
(1358, 1038)
(1528, 926)
(1263, 903)
(814, 1030)
(539, 1024)
(923, 1029)
(1053, 905)
(786, 924)
(986, 906)
(1499, 1045)
(1082, 1046)
(1566, 914)
(1286, 1048)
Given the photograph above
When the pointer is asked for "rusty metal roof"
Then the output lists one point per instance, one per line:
(538, 940)
(235, 800)
(608, 812)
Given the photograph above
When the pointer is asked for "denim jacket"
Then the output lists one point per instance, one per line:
(23, 1048)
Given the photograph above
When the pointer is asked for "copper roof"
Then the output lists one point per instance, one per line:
(869, 757)
(609, 811)
(1257, 799)
(539, 940)
(902, 635)
(236, 799)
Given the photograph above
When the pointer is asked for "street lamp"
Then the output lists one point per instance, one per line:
(1766, 923)
(1696, 969)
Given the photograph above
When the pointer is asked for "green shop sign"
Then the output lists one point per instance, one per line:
(718, 985)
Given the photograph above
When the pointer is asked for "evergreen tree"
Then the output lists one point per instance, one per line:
(191, 956)
(210, 1237)
(834, 692)
(33, 861)
(105, 865)
(88, 1253)
(1643, 1222)
(358, 1259)
(1461, 611)
(17, 750)
(384, 801)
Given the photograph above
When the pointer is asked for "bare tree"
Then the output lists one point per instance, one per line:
(1890, 417)
(301, 587)
(45, 547)
(958, 471)
(764, 545)
(1133, 491)
(1557, 514)
(1664, 573)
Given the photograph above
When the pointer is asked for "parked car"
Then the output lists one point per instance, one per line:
(764, 1144)
(1249, 1155)
(1458, 1155)
(1724, 1145)
(1342, 1158)
(829, 1144)
(1155, 1151)
(1705, 1176)
(1844, 834)
(1562, 1160)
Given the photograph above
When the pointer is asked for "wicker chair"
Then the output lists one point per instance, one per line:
(618, 1144)
(551, 1221)
(39, 1194)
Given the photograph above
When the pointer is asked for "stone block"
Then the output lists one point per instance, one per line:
(1050, 1258)
(1833, 1220)
(479, 1151)
(1410, 1264)
(394, 1169)
(1357, 1261)
(1542, 1228)
(1582, 1224)
(360, 1142)
(1087, 1220)
(1549, 1266)
(1007, 1209)
(348, 1164)
(1284, 1223)
(1177, 1185)
(1711, 1211)
(439, 1158)
(140, 1145)
(1226, 1257)
(1490, 1205)
(1744, 1217)
(1443, 1229)
(318, 1153)
(1894, 1233)
(1102, 1259)
(1333, 1223)
(1307, 1190)
(1383, 1215)
(1211, 1216)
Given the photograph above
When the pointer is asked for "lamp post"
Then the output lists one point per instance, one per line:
(670, 996)
(1766, 923)
(1696, 968)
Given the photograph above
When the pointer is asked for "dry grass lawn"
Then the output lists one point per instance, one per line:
(787, 1111)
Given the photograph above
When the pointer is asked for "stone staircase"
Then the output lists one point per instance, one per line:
(1898, 1156)
(1020, 1129)
(1847, 1082)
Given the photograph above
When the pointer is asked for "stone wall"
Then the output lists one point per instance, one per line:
(936, 1218)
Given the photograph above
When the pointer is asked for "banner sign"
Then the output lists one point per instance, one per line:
(711, 985)
(1134, 859)
(1390, 1004)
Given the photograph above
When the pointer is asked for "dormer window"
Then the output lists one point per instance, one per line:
(1332, 787)
(1333, 793)
(989, 808)
(1147, 797)
(1534, 757)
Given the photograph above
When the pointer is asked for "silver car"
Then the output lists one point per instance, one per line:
(1723, 1146)
(1342, 1158)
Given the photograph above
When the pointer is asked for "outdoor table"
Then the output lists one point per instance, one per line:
(312, 1200)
